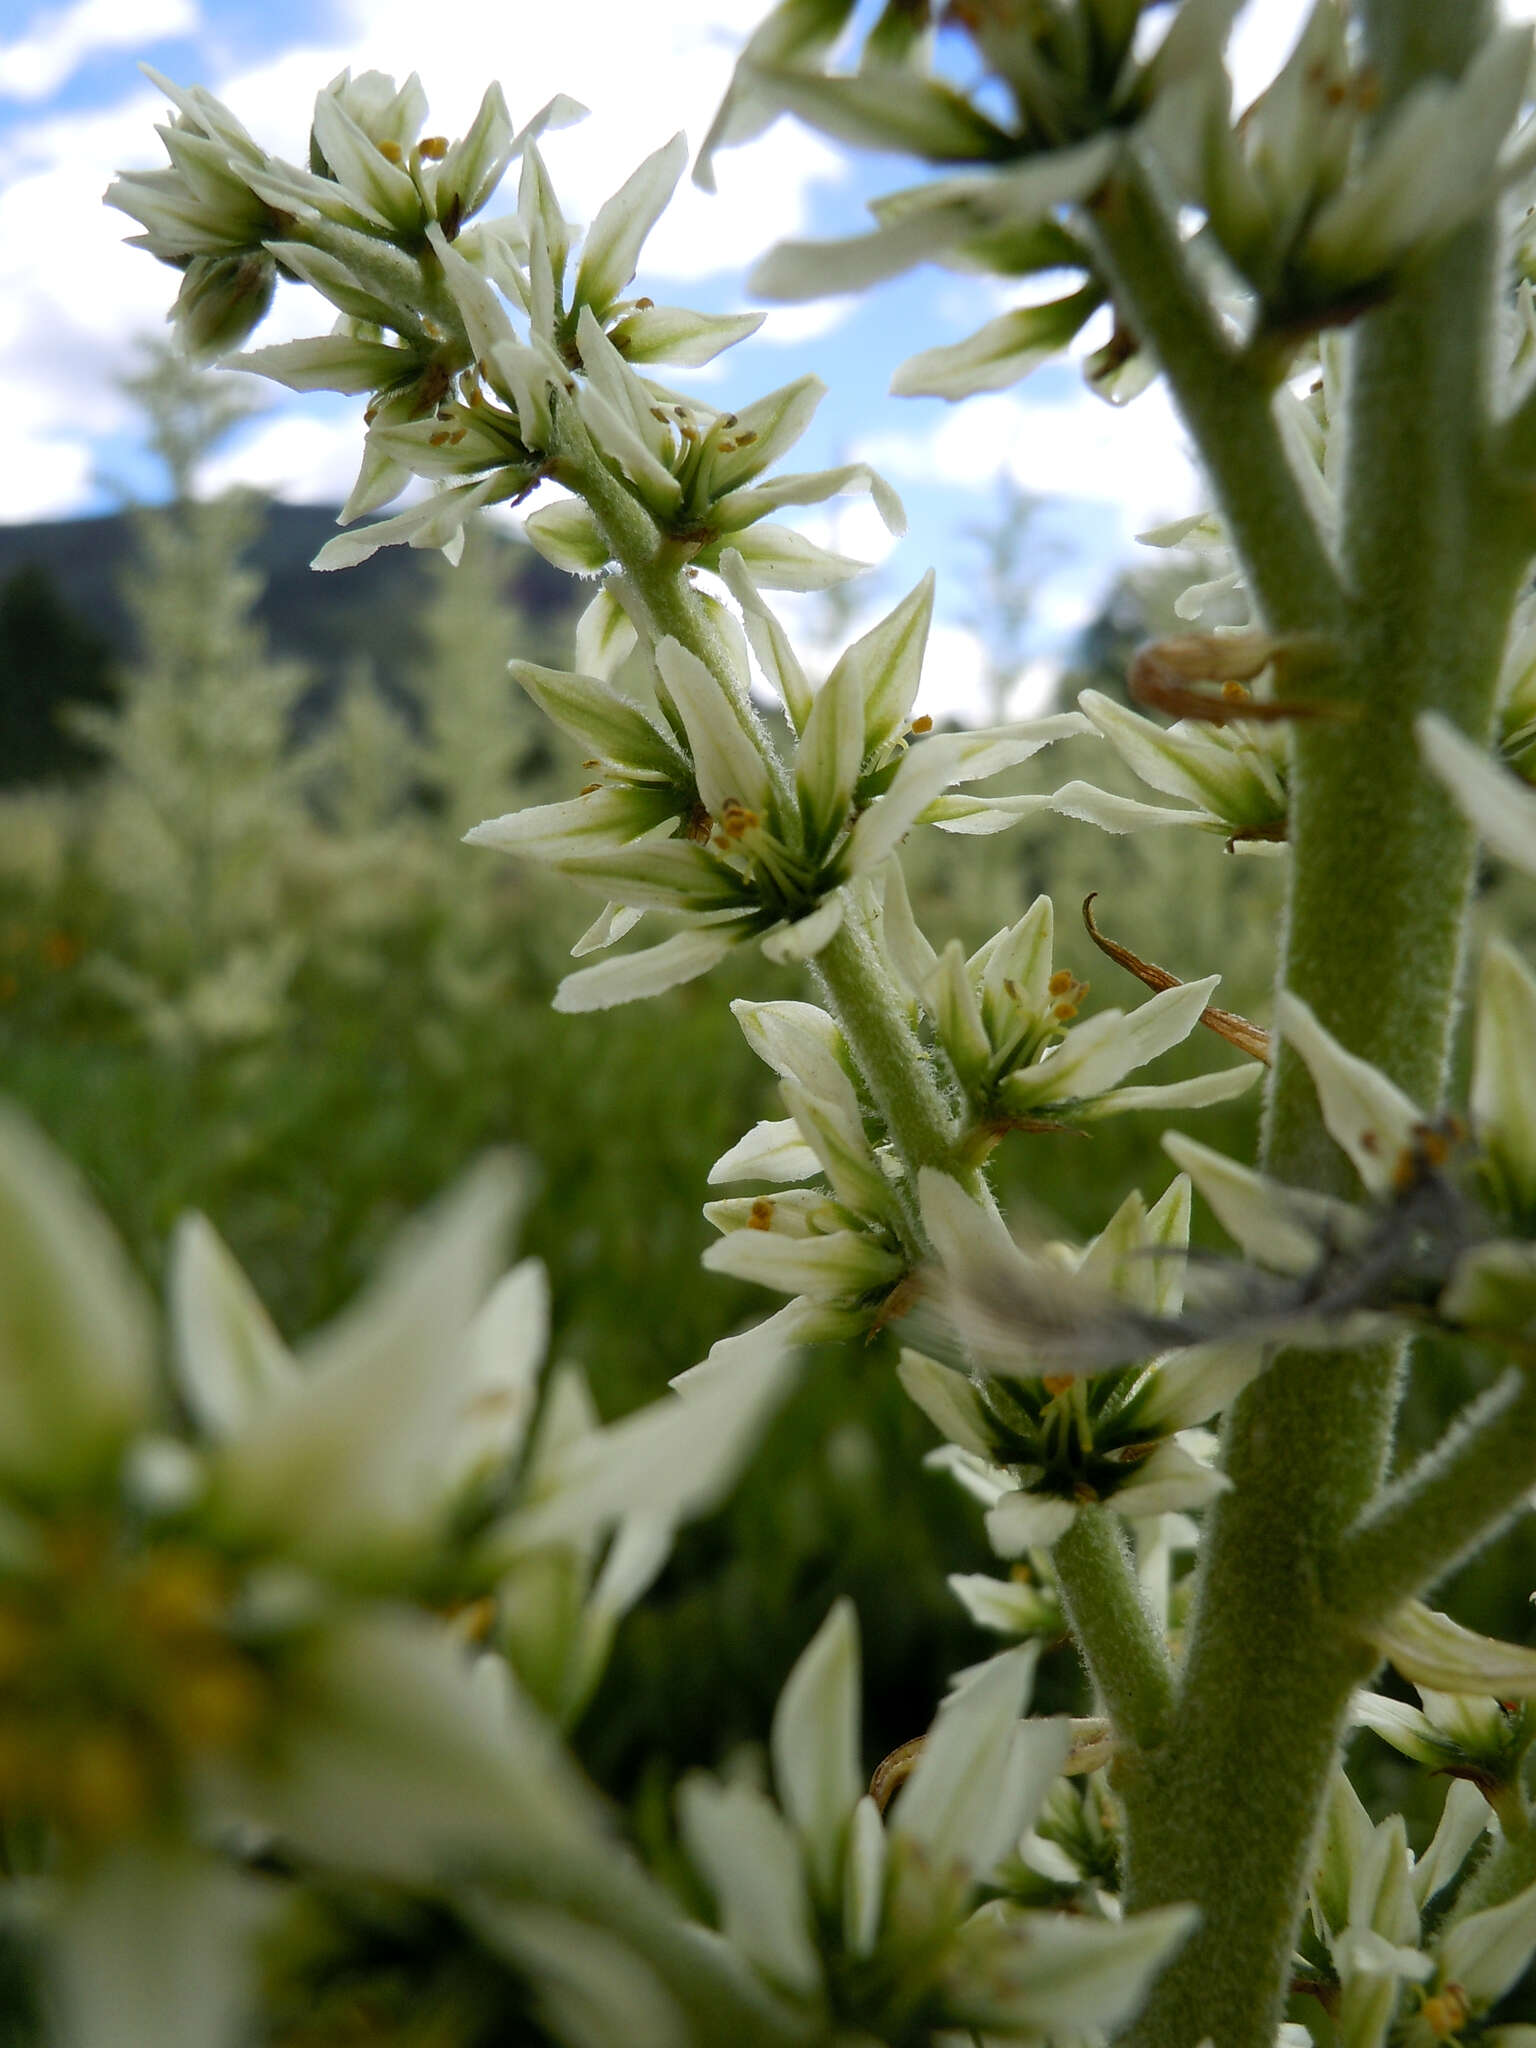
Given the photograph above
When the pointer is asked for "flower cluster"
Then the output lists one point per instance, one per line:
(1368, 1953)
(1004, 1021)
(691, 811)
(260, 1636)
(1409, 1949)
(1064, 1405)
(869, 1910)
(458, 393)
(1007, 1021)
(1315, 207)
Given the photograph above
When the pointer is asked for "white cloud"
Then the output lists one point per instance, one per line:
(54, 47)
(1076, 447)
(792, 326)
(297, 458)
(46, 478)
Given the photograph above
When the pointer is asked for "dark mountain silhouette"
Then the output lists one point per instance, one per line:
(64, 628)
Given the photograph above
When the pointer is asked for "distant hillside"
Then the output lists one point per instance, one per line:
(64, 628)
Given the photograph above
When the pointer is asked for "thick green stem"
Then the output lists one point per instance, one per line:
(901, 1078)
(1225, 402)
(1120, 1642)
(1455, 1498)
(1381, 869)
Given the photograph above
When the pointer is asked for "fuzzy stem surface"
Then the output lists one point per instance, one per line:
(1380, 877)
(1441, 1509)
(1120, 1642)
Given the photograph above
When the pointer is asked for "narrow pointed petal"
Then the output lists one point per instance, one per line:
(631, 977)
(616, 236)
(229, 1359)
(76, 1342)
(1437, 1652)
(983, 1772)
(773, 1151)
(1497, 803)
(815, 1745)
(729, 768)
(1368, 1117)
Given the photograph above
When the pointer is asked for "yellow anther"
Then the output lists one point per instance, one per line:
(923, 724)
(104, 1784)
(434, 148)
(215, 1703)
(761, 1214)
(391, 153)
(179, 1592)
(1059, 982)
(1446, 2012)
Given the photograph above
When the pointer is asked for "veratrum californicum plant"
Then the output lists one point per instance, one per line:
(1321, 283)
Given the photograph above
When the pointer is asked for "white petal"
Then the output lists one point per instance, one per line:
(505, 1352)
(355, 1458)
(726, 758)
(1283, 1228)
(842, 1263)
(949, 1401)
(808, 935)
(431, 524)
(229, 1359)
(672, 1459)
(1198, 1093)
(1066, 1972)
(1435, 1651)
(1503, 1101)
(1170, 1481)
(1487, 1952)
(982, 1772)
(770, 643)
(590, 1987)
(155, 1945)
(614, 240)
(1027, 1521)
(1368, 1116)
(1497, 803)
(75, 1325)
(773, 1151)
(815, 1745)
(1194, 1385)
(633, 976)
(605, 635)
(864, 1879)
(751, 1862)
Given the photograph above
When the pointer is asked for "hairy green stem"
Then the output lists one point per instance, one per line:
(1225, 402)
(1381, 871)
(1120, 1642)
(901, 1078)
(1441, 1509)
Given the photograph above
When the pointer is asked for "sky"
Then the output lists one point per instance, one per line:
(74, 299)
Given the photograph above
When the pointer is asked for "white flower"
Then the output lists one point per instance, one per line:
(836, 1904)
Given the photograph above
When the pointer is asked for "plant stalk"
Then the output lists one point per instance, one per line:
(1381, 867)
